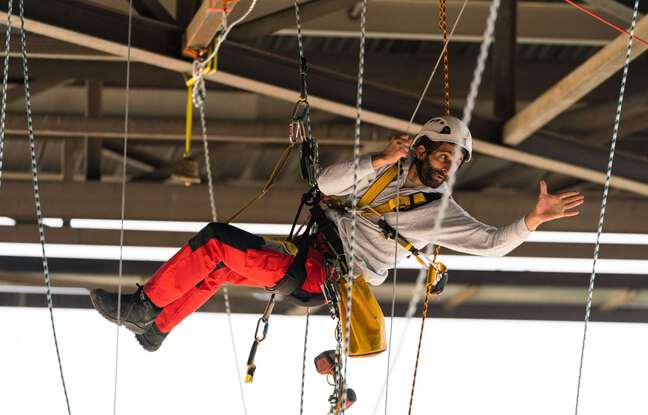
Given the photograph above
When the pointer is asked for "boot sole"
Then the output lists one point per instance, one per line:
(146, 345)
(130, 326)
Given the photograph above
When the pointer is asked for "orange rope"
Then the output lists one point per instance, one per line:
(428, 291)
(443, 25)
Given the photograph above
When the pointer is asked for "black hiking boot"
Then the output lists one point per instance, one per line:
(152, 339)
(137, 311)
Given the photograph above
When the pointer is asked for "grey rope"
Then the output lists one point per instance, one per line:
(5, 80)
(199, 96)
(354, 198)
(303, 378)
(39, 210)
(467, 115)
(123, 206)
(300, 44)
(606, 188)
(385, 389)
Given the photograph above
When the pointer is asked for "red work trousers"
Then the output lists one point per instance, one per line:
(219, 254)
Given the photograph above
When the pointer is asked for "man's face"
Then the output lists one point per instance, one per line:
(433, 168)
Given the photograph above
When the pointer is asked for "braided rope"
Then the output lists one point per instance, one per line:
(309, 132)
(354, 198)
(303, 378)
(443, 25)
(200, 104)
(300, 44)
(472, 96)
(606, 188)
(37, 199)
(426, 300)
(5, 80)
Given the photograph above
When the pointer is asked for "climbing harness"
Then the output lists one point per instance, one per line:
(123, 207)
(606, 188)
(34, 168)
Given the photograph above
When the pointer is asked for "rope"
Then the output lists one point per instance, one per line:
(39, 210)
(354, 198)
(5, 80)
(470, 104)
(606, 188)
(300, 45)
(428, 291)
(303, 378)
(200, 103)
(123, 206)
(394, 281)
(443, 25)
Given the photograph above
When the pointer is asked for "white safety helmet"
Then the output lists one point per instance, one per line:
(446, 129)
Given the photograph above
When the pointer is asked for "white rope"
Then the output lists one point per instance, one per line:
(354, 199)
(224, 290)
(385, 387)
(123, 206)
(606, 188)
(35, 185)
(5, 80)
(470, 104)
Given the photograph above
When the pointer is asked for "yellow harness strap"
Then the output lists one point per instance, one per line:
(403, 203)
(378, 186)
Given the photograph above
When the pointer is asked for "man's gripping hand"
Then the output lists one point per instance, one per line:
(398, 148)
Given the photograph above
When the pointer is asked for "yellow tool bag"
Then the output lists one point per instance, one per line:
(367, 334)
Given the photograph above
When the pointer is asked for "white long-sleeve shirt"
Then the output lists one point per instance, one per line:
(374, 254)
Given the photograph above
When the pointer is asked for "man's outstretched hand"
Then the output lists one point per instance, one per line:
(551, 207)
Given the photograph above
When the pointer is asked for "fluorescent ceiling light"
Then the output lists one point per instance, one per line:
(6, 221)
(53, 222)
(454, 262)
(589, 238)
(171, 226)
(284, 229)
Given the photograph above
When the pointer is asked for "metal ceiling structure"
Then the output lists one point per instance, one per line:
(547, 86)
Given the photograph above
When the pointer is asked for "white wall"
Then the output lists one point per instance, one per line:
(468, 366)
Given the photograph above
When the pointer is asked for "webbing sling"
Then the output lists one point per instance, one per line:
(401, 203)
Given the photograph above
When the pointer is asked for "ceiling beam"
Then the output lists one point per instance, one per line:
(158, 44)
(614, 8)
(173, 130)
(153, 201)
(38, 86)
(271, 23)
(569, 26)
(152, 9)
(504, 60)
(573, 87)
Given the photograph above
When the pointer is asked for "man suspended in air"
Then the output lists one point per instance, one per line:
(223, 254)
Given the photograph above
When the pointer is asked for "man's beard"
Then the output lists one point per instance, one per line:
(428, 175)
